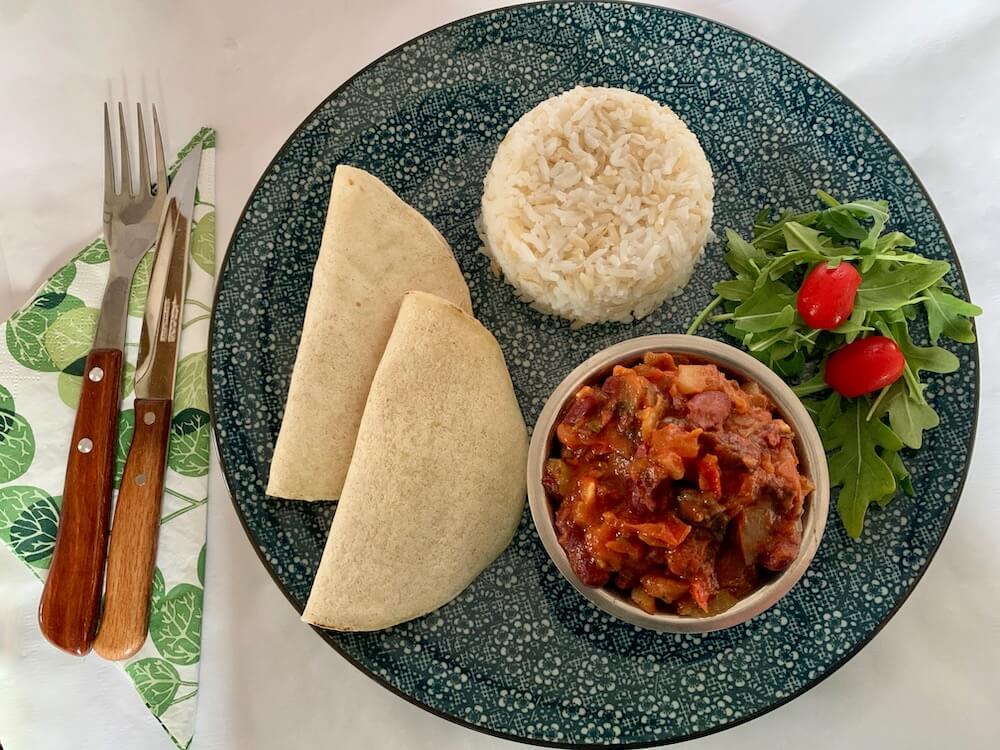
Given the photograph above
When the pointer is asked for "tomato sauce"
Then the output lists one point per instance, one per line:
(676, 485)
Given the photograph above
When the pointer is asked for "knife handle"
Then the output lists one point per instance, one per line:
(132, 550)
(71, 600)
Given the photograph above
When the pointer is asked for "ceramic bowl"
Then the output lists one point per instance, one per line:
(744, 367)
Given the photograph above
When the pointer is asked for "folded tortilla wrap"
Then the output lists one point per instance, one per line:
(375, 248)
(436, 486)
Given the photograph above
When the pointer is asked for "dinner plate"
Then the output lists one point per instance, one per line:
(520, 654)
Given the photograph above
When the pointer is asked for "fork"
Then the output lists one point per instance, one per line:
(69, 608)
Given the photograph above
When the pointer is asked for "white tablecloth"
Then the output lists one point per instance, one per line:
(926, 73)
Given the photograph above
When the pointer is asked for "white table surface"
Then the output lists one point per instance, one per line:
(927, 73)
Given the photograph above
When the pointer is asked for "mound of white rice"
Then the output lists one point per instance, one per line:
(597, 205)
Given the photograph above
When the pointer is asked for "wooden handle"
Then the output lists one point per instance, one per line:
(71, 599)
(132, 551)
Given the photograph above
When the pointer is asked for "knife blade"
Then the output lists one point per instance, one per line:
(134, 531)
(156, 363)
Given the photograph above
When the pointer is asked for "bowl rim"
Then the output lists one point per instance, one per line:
(808, 445)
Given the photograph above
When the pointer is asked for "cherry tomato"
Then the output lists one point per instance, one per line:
(864, 366)
(826, 297)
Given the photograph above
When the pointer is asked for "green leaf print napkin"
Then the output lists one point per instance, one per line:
(42, 351)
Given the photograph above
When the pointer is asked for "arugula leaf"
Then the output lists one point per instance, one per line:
(839, 223)
(781, 349)
(823, 411)
(898, 256)
(892, 240)
(842, 226)
(799, 238)
(762, 221)
(769, 307)
(745, 259)
(855, 464)
(787, 362)
(903, 480)
(791, 365)
(826, 198)
(879, 213)
(918, 358)
(734, 290)
(949, 315)
(782, 265)
(815, 384)
(864, 209)
(761, 314)
(771, 238)
(853, 327)
(909, 416)
(890, 317)
(868, 261)
(890, 289)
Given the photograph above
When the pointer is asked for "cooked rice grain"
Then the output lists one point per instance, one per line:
(597, 205)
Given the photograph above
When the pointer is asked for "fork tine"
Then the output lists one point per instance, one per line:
(109, 161)
(126, 165)
(161, 164)
(144, 187)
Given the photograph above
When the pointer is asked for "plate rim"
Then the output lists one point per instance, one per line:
(847, 656)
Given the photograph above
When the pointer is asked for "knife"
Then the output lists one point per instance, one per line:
(134, 531)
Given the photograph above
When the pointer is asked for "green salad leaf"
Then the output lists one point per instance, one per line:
(856, 463)
(909, 415)
(888, 288)
(865, 437)
(949, 315)
(805, 240)
(770, 307)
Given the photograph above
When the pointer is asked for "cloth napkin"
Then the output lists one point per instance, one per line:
(42, 351)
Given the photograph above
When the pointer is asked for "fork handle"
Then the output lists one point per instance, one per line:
(132, 551)
(70, 604)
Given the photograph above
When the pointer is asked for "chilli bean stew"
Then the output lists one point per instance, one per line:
(676, 485)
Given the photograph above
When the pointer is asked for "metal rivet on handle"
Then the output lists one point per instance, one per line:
(140, 480)
(86, 445)
(96, 374)
(149, 417)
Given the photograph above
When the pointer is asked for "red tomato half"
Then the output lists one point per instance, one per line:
(826, 297)
(864, 366)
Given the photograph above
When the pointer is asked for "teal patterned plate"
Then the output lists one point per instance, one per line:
(520, 654)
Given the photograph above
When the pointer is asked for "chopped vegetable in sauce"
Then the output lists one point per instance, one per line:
(676, 485)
